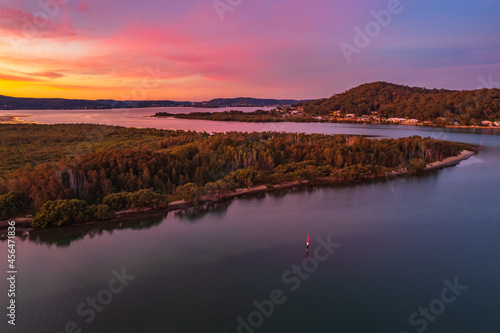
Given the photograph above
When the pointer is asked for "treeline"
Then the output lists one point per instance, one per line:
(391, 100)
(233, 115)
(258, 116)
(245, 102)
(193, 165)
(68, 211)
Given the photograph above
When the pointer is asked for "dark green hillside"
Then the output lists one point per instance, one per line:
(391, 100)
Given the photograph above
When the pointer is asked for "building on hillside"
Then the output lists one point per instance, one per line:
(397, 120)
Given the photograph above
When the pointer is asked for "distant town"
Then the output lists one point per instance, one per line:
(373, 118)
(296, 113)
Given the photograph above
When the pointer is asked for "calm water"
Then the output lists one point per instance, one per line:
(200, 270)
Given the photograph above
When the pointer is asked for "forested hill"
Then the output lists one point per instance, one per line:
(391, 100)
(247, 101)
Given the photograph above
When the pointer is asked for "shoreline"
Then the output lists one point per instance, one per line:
(450, 161)
(24, 224)
(14, 119)
(280, 120)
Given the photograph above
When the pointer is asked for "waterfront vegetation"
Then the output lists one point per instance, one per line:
(466, 107)
(63, 182)
(258, 116)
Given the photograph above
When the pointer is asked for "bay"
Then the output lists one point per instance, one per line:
(201, 270)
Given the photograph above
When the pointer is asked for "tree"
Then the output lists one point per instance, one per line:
(416, 165)
(61, 212)
(189, 192)
(211, 188)
(116, 201)
(248, 176)
(100, 212)
(9, 205)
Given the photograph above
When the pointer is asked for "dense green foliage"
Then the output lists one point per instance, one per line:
(9, 205)
(139, 199)
(391, 100)
(61, 212)
(162, 166)
(68, 211)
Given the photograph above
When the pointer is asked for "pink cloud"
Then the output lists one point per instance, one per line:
(21, 23)
(83, 7)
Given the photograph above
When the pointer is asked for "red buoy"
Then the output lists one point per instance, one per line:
(307, 240)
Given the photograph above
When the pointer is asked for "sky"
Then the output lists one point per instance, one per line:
(196, 50)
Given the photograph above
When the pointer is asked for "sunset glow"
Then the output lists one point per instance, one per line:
(194, 50)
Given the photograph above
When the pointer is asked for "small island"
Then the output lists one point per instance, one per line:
(67, 174)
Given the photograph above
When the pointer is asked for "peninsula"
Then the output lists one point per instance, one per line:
(80, 173)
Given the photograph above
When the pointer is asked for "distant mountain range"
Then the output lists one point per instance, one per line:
(15, 103)
(247, 101)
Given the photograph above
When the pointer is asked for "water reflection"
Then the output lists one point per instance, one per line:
(196, 214)
(64, 236)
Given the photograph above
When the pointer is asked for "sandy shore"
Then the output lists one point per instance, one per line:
(450, 161)
(14, 119)
(24, 224)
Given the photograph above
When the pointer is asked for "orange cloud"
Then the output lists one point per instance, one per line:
(17, 78)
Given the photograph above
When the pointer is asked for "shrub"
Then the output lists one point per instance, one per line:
(61, 212)
(189, 192)
(116, 201)
(416, 165)
(100, 212)
(9, 205)
(139, 199)
(146, 198)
